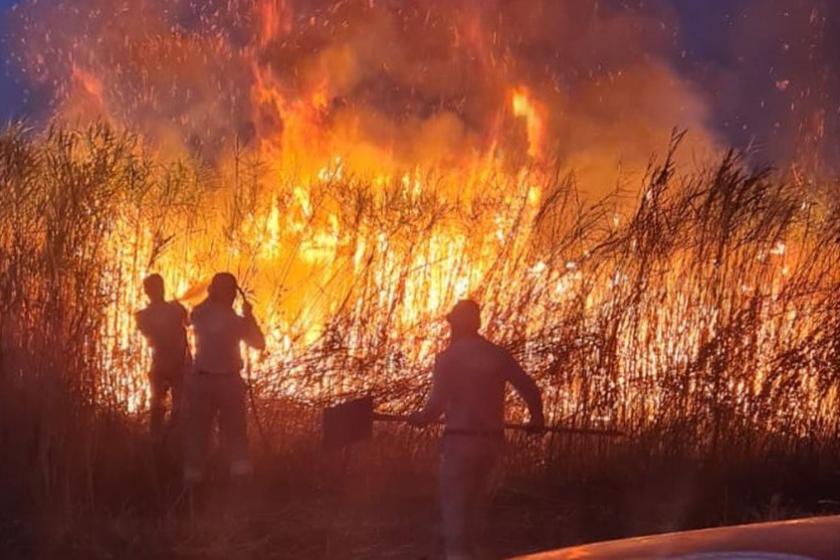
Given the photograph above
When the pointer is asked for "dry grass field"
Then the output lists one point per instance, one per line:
(699, 317)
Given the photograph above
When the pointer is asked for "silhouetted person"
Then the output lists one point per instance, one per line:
(468, 388)
(164, 324)
(215, 387)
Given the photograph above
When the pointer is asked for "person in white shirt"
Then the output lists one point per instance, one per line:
(215, 386)
(164, 325)
(468, 388)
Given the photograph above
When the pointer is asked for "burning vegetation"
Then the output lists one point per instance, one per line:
(362, 165)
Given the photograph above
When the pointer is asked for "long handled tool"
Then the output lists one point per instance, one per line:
(250, 381)
(352, 421)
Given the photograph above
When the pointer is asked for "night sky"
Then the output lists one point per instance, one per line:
(742, 55)
(11, 96)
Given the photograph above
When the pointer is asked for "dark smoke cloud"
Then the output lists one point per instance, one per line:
(425, 80)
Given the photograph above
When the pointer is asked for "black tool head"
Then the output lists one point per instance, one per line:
(348, 422)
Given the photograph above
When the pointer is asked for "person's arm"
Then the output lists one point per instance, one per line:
(185, 316)
(251, 332)
(527, 388)
(436, 403)
(140, 319)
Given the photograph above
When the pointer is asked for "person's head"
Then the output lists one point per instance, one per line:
(223, 288)
(465, 318)
(154, 287)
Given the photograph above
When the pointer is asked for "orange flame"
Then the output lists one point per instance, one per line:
(529, 109)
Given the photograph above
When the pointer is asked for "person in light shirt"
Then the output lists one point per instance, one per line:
(468, 389)
(215, 387)
(163, 324)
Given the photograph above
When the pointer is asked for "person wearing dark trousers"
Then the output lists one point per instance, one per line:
(468, 389)
(164, 325)
(215, 388)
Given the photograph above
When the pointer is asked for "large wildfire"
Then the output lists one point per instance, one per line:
(362, 164)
